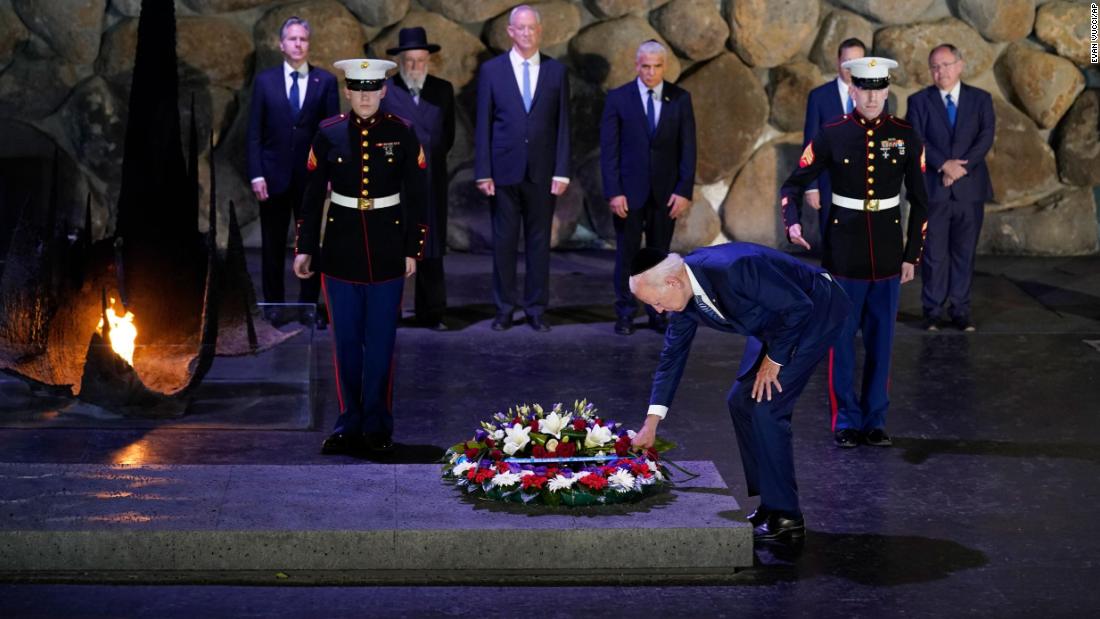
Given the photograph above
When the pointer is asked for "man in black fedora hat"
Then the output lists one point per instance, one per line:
(428, 102)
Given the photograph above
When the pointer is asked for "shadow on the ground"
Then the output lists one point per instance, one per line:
(918, 450)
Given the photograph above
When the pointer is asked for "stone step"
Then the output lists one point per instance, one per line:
(242, 523)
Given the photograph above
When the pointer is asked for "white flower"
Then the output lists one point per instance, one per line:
(552, 445)
(559, 483)
(553, 424)
(525, 473)
(505, 479)
(621, 480)
(462, 467)
(516, 439)
(597, 436)
(652, 465)
(499, 434)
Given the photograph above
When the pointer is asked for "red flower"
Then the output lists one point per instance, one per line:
(639, 468)
(535, 481)
(534, 425)
(622, 446)
(609, 470)
(551, 471)
(594, 481)
(538, 451)
(566, 450)
(481, 475)
(651, 453)
(579, 425)
(503, 467)
(490, 443)
(471, 454)
(496, 454)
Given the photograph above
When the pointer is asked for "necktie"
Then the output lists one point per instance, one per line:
(415, 92)
(952, 111)
(706, 310)
(848, 107)
(650, 113)
(526, 86)
(295, 105)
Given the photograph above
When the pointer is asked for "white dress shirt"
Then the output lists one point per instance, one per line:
(303, 83)
(842, 88)
(643, 90)
(954, 92)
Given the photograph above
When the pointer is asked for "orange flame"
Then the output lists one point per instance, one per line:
(123, 332)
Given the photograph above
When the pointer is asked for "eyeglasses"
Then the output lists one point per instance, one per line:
(942, 66)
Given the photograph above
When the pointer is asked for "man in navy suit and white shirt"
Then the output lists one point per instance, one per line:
(825, 103)
(957, 125)
(791, 313)
(647, 156)
(288, 103)
(521, 162)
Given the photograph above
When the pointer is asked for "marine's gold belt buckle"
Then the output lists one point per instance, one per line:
(870, 205)
(366, 204)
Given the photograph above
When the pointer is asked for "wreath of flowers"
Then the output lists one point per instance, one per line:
(557, 457)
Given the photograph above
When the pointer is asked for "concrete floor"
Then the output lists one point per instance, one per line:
(982, 508)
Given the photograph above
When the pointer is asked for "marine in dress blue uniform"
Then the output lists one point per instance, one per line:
(364, 247)
(868, 155)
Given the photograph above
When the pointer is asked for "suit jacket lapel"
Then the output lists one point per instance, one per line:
(313, 89)
(936, 102)
(535, 82)
(666, 104)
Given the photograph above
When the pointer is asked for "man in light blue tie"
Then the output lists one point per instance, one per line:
(826, 103)
(956, 122)
(521, 162)
(647, 157)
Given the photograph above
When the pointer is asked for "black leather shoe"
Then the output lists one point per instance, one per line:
(758, 516)
(502, 322)
(624, 326)
(322, 322)
(658, 323)
(439, 326)
(878, 438)
(338, 443)
(930, 324)
(846, 438)
(963, 323)
(538, 324)
(778, 528)
(378, 442)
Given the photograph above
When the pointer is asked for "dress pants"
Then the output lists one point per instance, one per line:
(874, 312)
(530, 205)
(274, 218)
(364, 330)
(764, 428)
(653, 220)
(947, 265)
(430, 291)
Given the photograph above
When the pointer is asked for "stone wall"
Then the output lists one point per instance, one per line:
(65, 70)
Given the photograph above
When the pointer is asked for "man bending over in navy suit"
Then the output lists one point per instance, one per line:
(790, 311)
(288, 104)
(521, 161)
(647, 156)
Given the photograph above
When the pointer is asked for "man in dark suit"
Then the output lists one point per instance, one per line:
(288, 103)
(826, 103)
(791, 313)
(366, 244)
(428, 102)
(957, 125)
(522, 162)
(647, 156)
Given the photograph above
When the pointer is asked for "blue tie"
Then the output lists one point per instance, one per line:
(706, 310)
(848, 106)
(295, 106)
(526, 86)
(650, 113)
(952, 111)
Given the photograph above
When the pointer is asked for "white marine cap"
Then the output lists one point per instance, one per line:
(870, 72)
(364, 73)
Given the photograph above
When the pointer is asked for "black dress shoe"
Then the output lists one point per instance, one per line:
(877, 438)
(538, 324)
(339, 443)
(930, 324)
(439, 326)
(322, 322)
(658, 323)
(378, 442)
(624, 326)
(963, 323)
(846, 438)
(779, 528)
(502, 322)
(758, 516)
